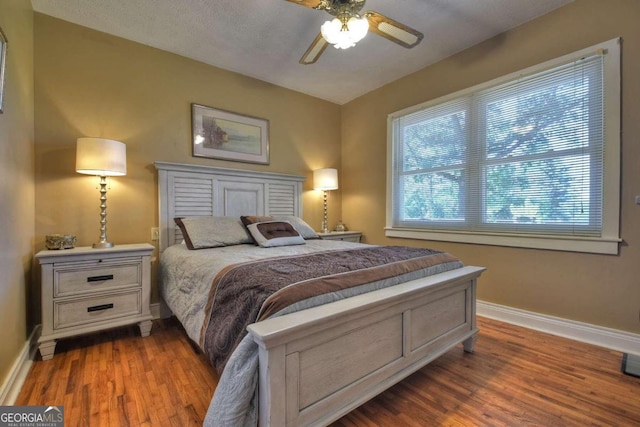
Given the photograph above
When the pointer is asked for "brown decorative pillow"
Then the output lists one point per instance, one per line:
(252, 219)
(275, 233)
(201, 232)
(301, 227)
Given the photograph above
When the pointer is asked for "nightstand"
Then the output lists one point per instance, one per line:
(86, 290)
(347, 236)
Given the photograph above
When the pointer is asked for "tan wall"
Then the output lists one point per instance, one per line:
(16, 183)
(92, 84)
(597, 289)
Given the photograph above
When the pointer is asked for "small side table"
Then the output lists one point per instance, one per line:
(347, 236)
(86, 290)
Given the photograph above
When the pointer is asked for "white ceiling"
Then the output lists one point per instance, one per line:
(266, 38)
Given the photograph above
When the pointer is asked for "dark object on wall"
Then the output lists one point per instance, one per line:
(3, 57)
(631, 365)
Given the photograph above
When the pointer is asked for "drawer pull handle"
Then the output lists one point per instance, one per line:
(100, 278)
(99, 307)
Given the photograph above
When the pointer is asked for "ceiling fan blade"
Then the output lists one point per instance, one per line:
(315, 50)
(314, 4)
(392, 30)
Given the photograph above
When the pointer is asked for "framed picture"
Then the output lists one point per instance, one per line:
(220, 134)
(3, 59)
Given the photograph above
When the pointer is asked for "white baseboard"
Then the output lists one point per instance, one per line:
(613, 339)
(18, 373)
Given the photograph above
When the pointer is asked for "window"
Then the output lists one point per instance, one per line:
(529, 160)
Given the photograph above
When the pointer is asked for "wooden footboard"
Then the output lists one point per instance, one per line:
(318, 364)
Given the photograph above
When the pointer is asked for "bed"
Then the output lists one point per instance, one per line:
(313, 365)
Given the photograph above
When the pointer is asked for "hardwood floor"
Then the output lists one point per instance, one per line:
(118, 378)
(516, 377)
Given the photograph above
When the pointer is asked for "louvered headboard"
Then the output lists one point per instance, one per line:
(193, 190)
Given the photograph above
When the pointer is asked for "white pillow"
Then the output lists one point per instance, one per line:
(201, 232)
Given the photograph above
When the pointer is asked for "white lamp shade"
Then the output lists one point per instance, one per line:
(325, 179)
(330, 30)
(341, 38)
(100, 156)
(358, 27)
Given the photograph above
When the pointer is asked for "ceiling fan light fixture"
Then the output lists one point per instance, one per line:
(345, 36)
(358, 27)
(351, 25)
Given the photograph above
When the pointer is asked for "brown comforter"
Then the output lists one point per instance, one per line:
(244, 293)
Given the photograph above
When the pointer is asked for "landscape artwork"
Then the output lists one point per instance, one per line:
(220, 134)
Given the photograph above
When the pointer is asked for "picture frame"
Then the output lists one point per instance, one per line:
(3, 60)
(225, 135)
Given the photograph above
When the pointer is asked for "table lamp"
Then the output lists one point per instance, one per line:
(101, 157)
(325, 180)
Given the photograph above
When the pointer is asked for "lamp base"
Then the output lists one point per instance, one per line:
(102, 245)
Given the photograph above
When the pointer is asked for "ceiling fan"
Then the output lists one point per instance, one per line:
(349, 27)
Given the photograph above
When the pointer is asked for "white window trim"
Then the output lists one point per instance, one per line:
(608, 243)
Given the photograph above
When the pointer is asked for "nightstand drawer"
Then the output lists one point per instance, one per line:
(68, 281)
(345, 236)
(355, 239)
(82, 311)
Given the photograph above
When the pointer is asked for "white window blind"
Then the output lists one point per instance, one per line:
(523, 156)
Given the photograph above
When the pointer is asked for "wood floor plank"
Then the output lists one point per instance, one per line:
(516, 377)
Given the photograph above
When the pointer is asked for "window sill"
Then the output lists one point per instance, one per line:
(600, 245)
